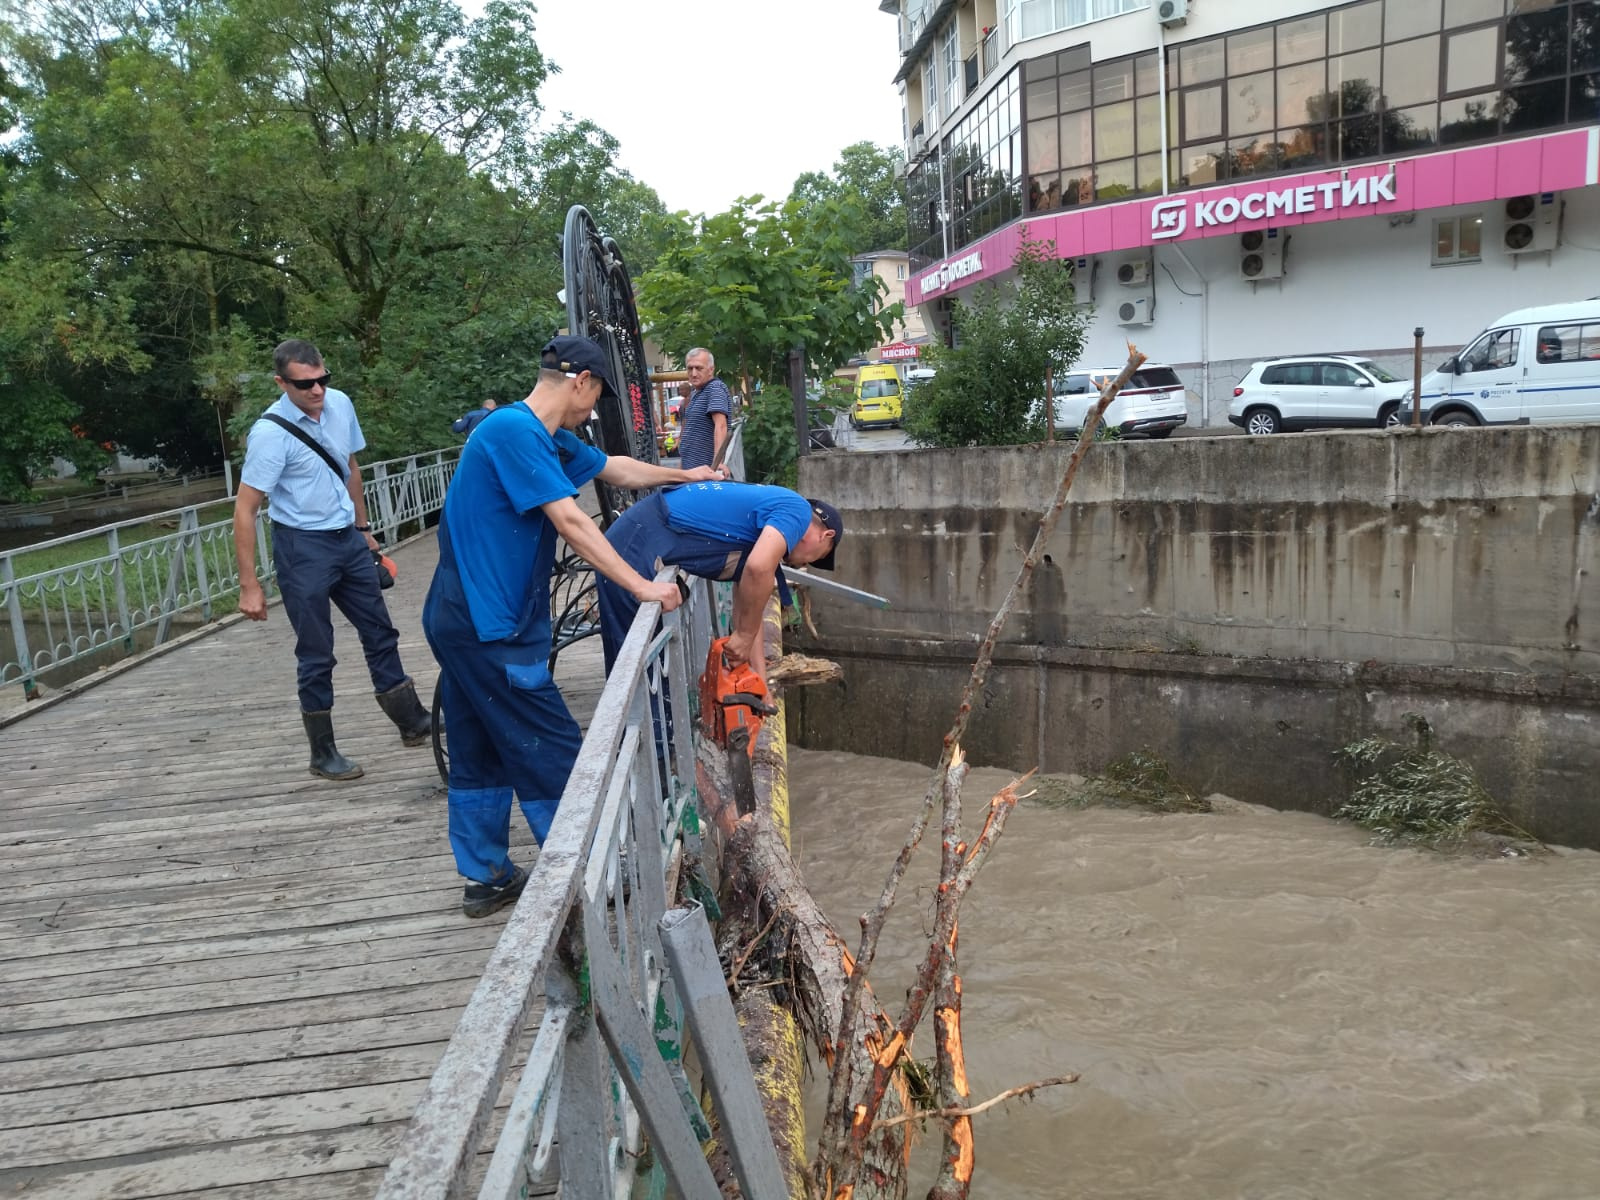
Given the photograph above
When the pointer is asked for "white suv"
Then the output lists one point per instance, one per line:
(1316, 391)
(1154, 402)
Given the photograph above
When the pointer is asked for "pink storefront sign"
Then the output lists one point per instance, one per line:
(1552, 162)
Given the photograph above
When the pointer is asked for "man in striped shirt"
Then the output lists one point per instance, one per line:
(706, 415)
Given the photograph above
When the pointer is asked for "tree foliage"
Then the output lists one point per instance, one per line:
(874, 177)
(990, 389)
(755, 281)
(198, 181)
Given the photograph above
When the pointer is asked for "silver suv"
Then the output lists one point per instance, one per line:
(1316, 391)
(1154, 403)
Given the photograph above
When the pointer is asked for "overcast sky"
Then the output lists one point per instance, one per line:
(715, 99)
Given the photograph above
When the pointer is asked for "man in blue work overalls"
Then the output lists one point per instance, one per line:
(487, 616)
(720, 530)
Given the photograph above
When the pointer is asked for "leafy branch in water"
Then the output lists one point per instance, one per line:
(1137, 780)
(1421, 796)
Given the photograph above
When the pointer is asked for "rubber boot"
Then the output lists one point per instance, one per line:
(400, 705)
(325, 757)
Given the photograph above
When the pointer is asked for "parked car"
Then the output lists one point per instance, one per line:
(877, 397)
(1532, 366)
(1316, 391)
(1153, 403)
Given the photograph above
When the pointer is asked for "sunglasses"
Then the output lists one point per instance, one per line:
(305, 385)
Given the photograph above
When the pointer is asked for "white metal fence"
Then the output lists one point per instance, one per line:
(115, 589)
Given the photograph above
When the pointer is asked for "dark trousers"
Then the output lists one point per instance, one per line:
(316, 567)
(510, 731)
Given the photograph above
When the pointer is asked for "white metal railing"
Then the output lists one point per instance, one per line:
(593, 931)
(114, 591)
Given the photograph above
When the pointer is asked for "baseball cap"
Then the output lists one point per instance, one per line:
(829, 516)
(574, 354)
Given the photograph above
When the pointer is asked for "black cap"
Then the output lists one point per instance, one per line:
(574, 354)
(829, 516)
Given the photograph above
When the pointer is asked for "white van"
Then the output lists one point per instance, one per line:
(1533, 366)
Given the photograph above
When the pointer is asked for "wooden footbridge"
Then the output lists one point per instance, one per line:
(218, 974)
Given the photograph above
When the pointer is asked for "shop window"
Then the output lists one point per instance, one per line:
(1358, 137)
(1201, 165)
(1302, 40)
(1301, 94)
(1536, 45)
(1076, 94)
(1355, 28)
(1250, 106)
(1411, 72)
(1469, 12)
(1077, 143)
(1113, 82)
(1458, 240)
(1202, 114)
(1408, 18)
(1586, 36)
(1537, 106)
(1353, 78)
(1410, 128)
(1114, 179)
(1042, 98)
(1200, 62)
(1470, 118)
(1470, 59)
(1113, 131)
(1250, 51)
(1044, 149)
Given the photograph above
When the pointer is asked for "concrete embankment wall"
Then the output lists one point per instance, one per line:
(1241, 606)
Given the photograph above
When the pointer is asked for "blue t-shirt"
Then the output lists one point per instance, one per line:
(301, 491)
(739, 511)
(504, 546)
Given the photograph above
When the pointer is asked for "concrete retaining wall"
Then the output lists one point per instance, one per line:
(1243, 606)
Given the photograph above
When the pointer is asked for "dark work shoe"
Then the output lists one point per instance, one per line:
(400, 705)
(481, 899)
(326, 760)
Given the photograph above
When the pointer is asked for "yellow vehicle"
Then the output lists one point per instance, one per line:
(877, 397)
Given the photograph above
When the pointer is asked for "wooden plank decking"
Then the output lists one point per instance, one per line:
(218, 974)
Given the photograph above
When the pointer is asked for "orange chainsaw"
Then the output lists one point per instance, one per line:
(733, 703)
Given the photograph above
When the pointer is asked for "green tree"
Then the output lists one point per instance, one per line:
(874, 177)
(990, 389)
(751, 283)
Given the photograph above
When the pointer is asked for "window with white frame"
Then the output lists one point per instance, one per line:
(1458, 239)
(1035, 18)
(952, 69)
(930, 95)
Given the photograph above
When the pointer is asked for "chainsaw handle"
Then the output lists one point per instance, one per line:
(682, 581)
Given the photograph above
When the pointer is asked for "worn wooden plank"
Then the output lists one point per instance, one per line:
(434, 1018)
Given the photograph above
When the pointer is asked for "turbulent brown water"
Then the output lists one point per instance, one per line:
(1261, 1005)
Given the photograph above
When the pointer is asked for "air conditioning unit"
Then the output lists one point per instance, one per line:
(1261, 255)
(1134, 312)
(1531, 224)
(1172, 13)
(918, 145)
(1134, 274)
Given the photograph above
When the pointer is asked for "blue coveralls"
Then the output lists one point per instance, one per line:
(509, 729)
(642, 537)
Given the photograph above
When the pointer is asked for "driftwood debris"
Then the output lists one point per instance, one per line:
(799, 670)
(796, 978)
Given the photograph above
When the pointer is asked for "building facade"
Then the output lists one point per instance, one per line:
(893, 268)
(1232, 180)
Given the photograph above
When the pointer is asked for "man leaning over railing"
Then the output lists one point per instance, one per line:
(301, 456)
(487, 616)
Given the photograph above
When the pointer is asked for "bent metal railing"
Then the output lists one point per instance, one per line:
(113, 592)
(593, 930)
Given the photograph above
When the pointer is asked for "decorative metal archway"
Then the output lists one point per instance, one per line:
(600, 306)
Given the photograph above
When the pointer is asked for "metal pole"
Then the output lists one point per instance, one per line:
(1416, 380)
(692, 960)
(797, 390)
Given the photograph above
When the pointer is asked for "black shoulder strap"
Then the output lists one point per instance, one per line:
(295, 431)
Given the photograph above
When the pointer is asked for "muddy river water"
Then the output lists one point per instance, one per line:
(1261, 1004)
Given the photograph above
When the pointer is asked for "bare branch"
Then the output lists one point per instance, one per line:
(925, 1114)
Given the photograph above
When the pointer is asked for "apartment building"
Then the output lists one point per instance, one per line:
(893, 268)
(1238, 178)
